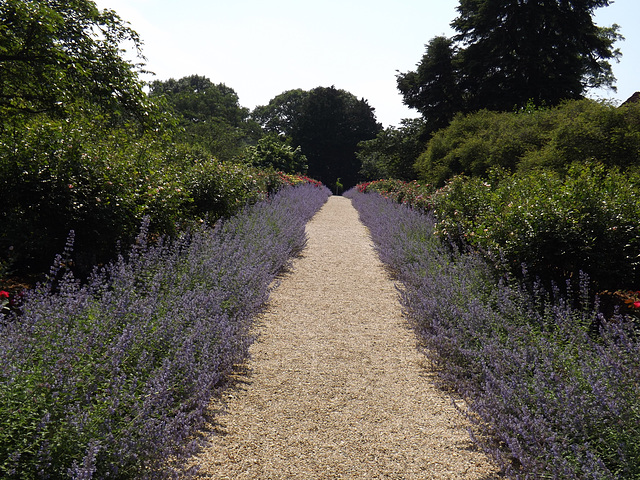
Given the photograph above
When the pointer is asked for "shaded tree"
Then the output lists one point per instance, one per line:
(281, 113)
(545, 51)
(434, 88)
(327, 124)
(393, 152)
(331, 124)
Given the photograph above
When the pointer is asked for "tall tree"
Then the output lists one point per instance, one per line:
(329, 128)
(209, 114)
(281, 113)
(56, 54)
(327, 124)
(540, 50)
(434, 88)
(508, 53)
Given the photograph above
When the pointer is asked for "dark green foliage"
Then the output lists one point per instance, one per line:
(508, 53)
(282, 112)
(542, 51)
(330, 127)
(556, 226)
(60, 175)
(433, 89)
(274, 151)
(56, 55)
(327, 124)
(549, 138)
(393, 152)
(208, 115)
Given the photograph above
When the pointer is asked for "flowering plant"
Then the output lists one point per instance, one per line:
(4, 301)
(551, 385)
(112, 376)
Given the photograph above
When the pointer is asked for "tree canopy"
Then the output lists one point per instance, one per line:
(393, 152)
(209, 115)
(508, 53)
(327, 124)
(282, 112)
(56, 54)
(434, 88)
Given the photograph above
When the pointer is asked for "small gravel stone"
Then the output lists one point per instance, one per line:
(335, 387)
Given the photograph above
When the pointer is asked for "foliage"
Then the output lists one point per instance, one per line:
(327, 124)
(550, 396)
(557, 227)
(280, 115)
(273, 151)
(507, 53)
(533, 138)
(502, 69)
(61, 175)
(113, 378)
(433, 89)
(209, 115)
(329, 130)
(393, 152)
(56, 56)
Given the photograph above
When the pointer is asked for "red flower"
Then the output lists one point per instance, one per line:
(636, 304)
(4, 294)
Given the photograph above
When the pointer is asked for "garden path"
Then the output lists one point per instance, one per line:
(335, 387)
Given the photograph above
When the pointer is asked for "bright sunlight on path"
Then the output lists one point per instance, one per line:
(335, 388)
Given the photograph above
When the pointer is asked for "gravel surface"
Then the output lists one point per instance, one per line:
(335, 387)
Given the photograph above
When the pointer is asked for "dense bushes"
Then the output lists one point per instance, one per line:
(550, 138)
(555, 225)
(80, 174)
(111, 378)
(549, 395)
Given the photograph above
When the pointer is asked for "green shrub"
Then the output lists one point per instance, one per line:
(59, 176)
(557, 226)
(587, 131)
(273, 151)
(532, 139)
(62, 175)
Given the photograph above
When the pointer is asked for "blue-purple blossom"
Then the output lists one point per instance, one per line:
(111, 378)
(553, 389)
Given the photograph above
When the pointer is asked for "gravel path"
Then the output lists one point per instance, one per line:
(335, 388)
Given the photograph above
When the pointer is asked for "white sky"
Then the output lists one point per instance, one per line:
(262, 48)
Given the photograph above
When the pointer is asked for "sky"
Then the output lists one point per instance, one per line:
(261, 48)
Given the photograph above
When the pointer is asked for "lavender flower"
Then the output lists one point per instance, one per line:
(553, 389)
(111, 378)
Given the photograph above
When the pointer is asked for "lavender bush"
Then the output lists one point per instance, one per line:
(554, 390)
(111, 378)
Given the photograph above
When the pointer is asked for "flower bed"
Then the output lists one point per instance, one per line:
(112, 378)
(553, 390)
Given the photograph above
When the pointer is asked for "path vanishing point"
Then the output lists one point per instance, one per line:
(335, 387)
